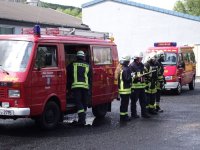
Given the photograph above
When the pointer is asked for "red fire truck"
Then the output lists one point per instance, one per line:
(33, 73)
(179, 65)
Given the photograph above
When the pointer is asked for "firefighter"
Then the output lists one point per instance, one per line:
(79, 77)
(151, 79)
(138, 87)
(161, 79)
(124, 87)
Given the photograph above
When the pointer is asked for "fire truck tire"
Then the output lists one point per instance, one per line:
(100, 111)
(192, 84)
(50, 116)
(178, 90)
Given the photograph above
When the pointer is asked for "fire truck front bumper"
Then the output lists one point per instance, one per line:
(171, 85)
(14, 112)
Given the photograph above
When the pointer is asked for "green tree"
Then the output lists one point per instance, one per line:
(75, 12)
(70, 10)
(191, 7)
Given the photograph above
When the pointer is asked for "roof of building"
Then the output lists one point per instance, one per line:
(144, 6)
(32, 14)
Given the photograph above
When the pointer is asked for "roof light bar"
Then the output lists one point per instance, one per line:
(165, 44)
(27, 31)
(66, 31)
(36, 30)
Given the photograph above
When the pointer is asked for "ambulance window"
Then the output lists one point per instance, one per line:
(192, 57)
(46, 56)
(186, 57)
(180, 58)
(102, 56)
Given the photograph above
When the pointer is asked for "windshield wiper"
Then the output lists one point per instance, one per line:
(4, 71)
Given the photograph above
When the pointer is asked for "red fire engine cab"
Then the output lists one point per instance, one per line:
(179, 65)
(33, 74)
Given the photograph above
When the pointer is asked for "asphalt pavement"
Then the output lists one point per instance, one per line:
(177, 128)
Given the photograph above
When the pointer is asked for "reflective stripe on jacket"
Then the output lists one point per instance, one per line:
(124, 81)
(151, 78)
(80, 75)
(137, 70)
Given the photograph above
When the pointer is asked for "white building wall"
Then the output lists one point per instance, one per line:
(135, 29)
(197, 57)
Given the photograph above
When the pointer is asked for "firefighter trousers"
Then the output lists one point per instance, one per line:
(124, 104)
(151, 98)
(158, 96)
(81, 97)
(135, 95)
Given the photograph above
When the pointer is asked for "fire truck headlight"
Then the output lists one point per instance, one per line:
(13, 93)
(168, 78)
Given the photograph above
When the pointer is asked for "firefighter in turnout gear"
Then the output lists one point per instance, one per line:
(151, 80)
(79, 77)
(138, 87)
(161, 79)
(124, 88)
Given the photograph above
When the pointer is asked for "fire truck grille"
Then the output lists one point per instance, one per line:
(2, 93)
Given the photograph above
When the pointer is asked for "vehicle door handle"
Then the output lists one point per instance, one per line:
(59, 73)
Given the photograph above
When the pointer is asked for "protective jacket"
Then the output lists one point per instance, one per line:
(80, 76)
(151, 78)
(137, 75)
(124, 80)
(161, 78)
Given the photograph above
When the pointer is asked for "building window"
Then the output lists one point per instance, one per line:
(6, 30)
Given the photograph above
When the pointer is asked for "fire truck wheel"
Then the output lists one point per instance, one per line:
(50, 116)
(178, 89)
(192, 84)
(100, 111)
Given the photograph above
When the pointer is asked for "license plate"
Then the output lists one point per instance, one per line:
(6, 112)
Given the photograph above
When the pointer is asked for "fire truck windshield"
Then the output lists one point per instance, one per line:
(15, 55)
(170, 59)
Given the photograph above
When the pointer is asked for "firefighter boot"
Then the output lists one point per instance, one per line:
(81, 119)
(152, 111)
(124, 118)
(158, 109)
(135, 116)
(145, 115)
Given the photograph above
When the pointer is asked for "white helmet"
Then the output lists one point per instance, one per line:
(160, 54)
(140, 55)
(151, 56)
(80, 53)
(126, 58)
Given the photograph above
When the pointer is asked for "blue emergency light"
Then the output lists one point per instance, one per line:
(165, 44)
(36, 30)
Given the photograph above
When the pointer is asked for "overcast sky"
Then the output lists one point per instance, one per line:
(167, 4)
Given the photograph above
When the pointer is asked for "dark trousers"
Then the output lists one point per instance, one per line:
(151, 99)
(135, 95)
(81, 97)
(124, 103)
(158, 95)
